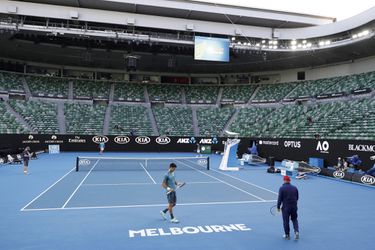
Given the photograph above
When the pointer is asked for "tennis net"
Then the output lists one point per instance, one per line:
(86, 163)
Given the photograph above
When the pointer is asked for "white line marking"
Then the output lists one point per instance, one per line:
(149, 205)
(245, 181)
(147, 173)
(224, 182)
(132, 184)
(71, 196)
(47, 189)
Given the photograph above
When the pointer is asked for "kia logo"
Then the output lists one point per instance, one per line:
(163, 140)
(142, 140)
(368, 179)
(122, 139)
(339, 174)
(202, 162)
(84, 162)
(100, 138)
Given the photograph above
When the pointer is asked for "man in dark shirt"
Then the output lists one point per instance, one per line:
(26, 157)
(287, 201)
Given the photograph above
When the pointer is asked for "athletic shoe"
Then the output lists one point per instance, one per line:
(286, 236)
(174, 220)
(296, 236)
(163, 215)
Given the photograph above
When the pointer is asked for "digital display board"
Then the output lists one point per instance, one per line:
(211, 49)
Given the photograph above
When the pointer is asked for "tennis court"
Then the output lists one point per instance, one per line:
(113, 203)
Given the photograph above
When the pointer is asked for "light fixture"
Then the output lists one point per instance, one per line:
(294, 47)
(304, 41)
(233, 38)
(263, 41)
(321, 43)
(328, 42)
(293, 42)
(355, 36)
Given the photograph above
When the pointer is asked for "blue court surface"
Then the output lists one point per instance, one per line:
(55, 207)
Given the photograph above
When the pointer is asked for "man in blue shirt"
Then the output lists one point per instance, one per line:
(288, 198)
(101, 147)
(169, 183)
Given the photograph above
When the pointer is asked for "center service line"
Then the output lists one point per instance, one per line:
(148, 173)
(80, 184)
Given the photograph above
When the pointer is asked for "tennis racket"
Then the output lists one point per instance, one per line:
(179, 185)
(273, 210)
(306, 168)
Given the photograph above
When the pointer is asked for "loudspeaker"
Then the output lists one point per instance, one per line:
(301, 75)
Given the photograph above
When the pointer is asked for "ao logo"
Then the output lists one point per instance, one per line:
(122, 139)
(323, 146)
(368, 179)
(339, 174)
(163, 140)
(84, 162)
(99, 138)
(142, 140)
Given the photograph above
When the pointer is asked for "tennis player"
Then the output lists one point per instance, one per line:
(288, 198)
(101, 147)
(26, 157)
(169, 183)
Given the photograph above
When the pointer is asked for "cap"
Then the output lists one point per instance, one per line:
(286, 178)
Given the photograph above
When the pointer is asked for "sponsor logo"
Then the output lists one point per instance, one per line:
(163, 140)
(142, 140)
(202, 162)
(269, 143)
(84, 162)
(121, 139)
(339, 174)
(186, 140)
(208, 141)
(323, 147)
(30, 140)
(76, 139)
(53, 140)
(368, 179)
(100, 138)
(292, 144)
(362, 148)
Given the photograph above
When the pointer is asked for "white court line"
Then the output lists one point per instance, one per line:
(149, 205)
(71, 196)
(148, 173)
(225, 182)
(141, 183)
(47, 189)
(245, 181)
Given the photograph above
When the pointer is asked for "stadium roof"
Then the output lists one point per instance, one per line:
(200, 11)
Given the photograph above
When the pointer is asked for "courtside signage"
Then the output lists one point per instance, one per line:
(323, 147)
(142, 140)
(100, 138)
(163, 140)
(368, 179)
(339, 174)
(173, 231)
(121, 139)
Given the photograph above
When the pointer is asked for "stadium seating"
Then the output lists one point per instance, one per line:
(90, 89)
(165, 93)
(10, 82)
(349, 83)
(84, 118)
(211, 121)
(174, 120)
(48, 86)
(127, 118)
(237, 94)
(202, 94)
(312, 88)
(40, 116)
(273, 92)
(8, 123)
(129, 92)
(249, 121)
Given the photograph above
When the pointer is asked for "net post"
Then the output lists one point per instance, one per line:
(208, 163)
(77, 165)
